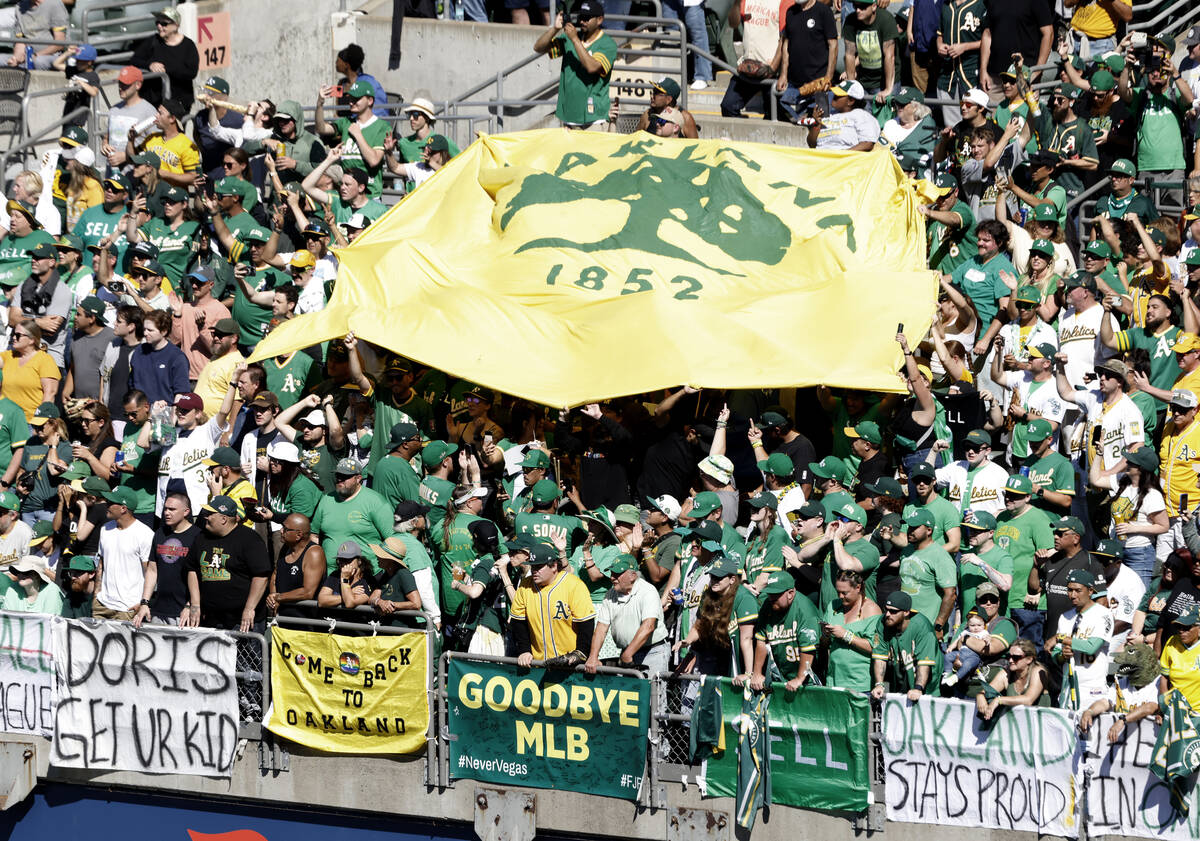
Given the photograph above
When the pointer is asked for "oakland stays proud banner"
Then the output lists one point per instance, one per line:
(349, 694)
(942, 767)
(562, 730)
(817, 744)
(603, 246)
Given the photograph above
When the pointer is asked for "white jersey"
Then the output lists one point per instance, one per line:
(15, 544)
(974, 490)
(1091, 670)
(1125, 698)
(312, 298)
(185, 460)
(1125, 593)
(1079, 339)
(1120, 427)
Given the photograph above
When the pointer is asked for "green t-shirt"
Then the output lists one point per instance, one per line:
(1148, 405)
(453, 545)
(253, 319)
(1160, 129)
(33, 460)
(790, 634)
(1135, 202)
(416, 556)
(342, 212)
(96, 223)
(583, 96)
(950, 247)
(1021, 536)
(388, 413)
(144, 481)
(174, 246)
(397, 586)
(318, 464)
(14, 256)
(922, 573)
(546, 527)
(287, 378)
(1053, 472)
(602, 557)
(868, 39)
(915, 646)
(971, 576)
(436, 492)
(14, 429)
(945, 513)
(302, 497)
(395, 479)
(1164, 367)
(366, 518)
(1057, 195)
(862, 550)
(849, 668)
(374, 132)
(980, 281)
(745, 612)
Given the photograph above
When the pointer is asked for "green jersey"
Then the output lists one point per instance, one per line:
(1164, 367)
(923, 572)
(971, 575)
(1052, 472)
(14, 429)
(301, 497)
(396, 480)
(745, 612)
(374, 133)
(1072, 140)
(288, 376)
(1021, 535)
(950, 247)
(454, 546)
(1117, 206)
(765, 552)
(14, 256)
(547, 527)
(866, 554)
(789, 635)
(437, 493)
(583, 96)
(174, 246)
(849, 668)
(915, 646)
(962, 23)
(96, 223)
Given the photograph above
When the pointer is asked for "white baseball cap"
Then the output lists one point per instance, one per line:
(316, 417)
(978, 97)
(851, 88)
(283, 451)
(668, 505)
(422, 106)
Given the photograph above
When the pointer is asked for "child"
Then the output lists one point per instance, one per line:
(81, 77)
(960, 661)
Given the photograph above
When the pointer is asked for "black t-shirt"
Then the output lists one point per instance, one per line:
(802, 453)
(118, 382)
(1016, 27)
(226, 566)
(1054, 584)
(181, 62)
(97, 515)
(1184, 596)
(170, 555)
(808, 33)
(77, 97)
(668, 467)
(334, 582)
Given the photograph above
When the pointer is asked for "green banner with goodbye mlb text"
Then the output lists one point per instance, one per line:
(548, 729)
(817, 745)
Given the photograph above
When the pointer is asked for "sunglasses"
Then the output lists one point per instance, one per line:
(891, 611)
(988, 600)
(19, 335)
(1016, 657)
(88, 420)
(1025, 306)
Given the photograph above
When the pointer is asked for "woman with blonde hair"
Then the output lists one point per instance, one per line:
(80, 185)
(30, 375)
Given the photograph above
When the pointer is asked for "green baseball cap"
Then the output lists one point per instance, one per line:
(1018, 484)
(122, 495)
(435, 452)
(622, 564)
(705, 530)
(899, 600)
(723, 566)
(216, 85)
(919, 517)
(979, 437)
(82, 563)
(885, 486)
(10, 501)
(70, 242)
(906, 95)
(1109, 548)
(536, 460)
(361, 88)
(668, 86)
(1098, 248)
(1103, 81)
(1045, 213)
(773, 420)
(780, 581)
(1193, 258)
(1082, 576)
(830, 467)
(852, 511)
(778, 464)
(1143, 457)
(541, 554)
(1037, 430)
(627, 515)
(1070, 524)
(979, 521)
(1123, 166)
(704, 504)
(765, 499)
(78, 469)
(922, 470)
(1039, 246)
(543, 491)
(866, 430)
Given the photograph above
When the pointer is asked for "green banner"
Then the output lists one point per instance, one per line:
(562, 730)
(817, 745)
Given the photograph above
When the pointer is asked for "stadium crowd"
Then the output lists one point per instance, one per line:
(1017, 527)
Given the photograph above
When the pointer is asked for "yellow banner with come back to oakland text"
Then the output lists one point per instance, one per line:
(349, 694)
(569, 267)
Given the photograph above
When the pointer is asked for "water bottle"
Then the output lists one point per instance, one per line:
(28, 57)
(677, 597)
(458, 10)
(162, 431)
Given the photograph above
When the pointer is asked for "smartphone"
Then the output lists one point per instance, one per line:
(339, 91)
(1183, 502)
(487, 438)
(900, 327)
(1096, 435)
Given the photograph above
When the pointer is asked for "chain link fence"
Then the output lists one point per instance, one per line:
(254, 689)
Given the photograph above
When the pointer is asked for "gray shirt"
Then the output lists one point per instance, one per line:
(87, 354)
(121, 118)
(60, 304)
(43, 19)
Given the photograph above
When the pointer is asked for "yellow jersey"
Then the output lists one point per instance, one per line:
(552, 612)
(1181, 666)
(1179, 457)
(178, 155)
(1094, 21)
(243, 495)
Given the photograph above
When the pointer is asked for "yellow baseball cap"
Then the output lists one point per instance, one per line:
(303, 259)
(1186, 342)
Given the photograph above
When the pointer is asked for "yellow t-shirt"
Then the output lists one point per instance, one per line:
(1094, 21)
(214, 380)
(22, 384)
(1181, 666)
(178, 155)
(1179, 456)
(1191, 381)
(552, 612)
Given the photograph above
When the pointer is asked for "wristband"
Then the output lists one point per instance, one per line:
(920, 688)
(144, 602)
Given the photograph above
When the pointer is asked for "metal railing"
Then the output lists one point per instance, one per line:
(1082, 207)
(25, 146)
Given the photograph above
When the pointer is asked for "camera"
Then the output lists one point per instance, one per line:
(117, 287)
(24, 485)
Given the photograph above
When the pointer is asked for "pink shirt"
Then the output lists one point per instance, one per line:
(194, 342)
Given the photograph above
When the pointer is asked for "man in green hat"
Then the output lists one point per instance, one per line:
(1049, 579)
(976, 482)
(927, 572)
(14, 534)
(534, 467)
(707, 506)
(1036, 394)
(1125, 588)
(907, 648)
(89, 343)
(870, 463)
(950, 229)
(984, 562)
(778, 478)
(785, 636)
(1082, 642)
(360, 136)
(1051, 473)
(1124, 198)
(775, 433)
(1028, 330)
(631, 614)
(437, 457)
(394, 476)
(1060, 130)
(946, 516)
(830, 476)
(542, 521)
(588, 54)
(1026, 533)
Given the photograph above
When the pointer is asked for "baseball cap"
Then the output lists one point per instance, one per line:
(402, 433)
(70, 242)
(361, 88)
(852, 511)
(536, 460)
(979, 520)
(302, 259)
(1189, 618)
(1045, 213)
(216, 84)
(175, 108)
(723, 566)
(1044, 157)
(44, 251)
(765, 499)
(358, 221)
(226, 327)
(866, 430)
(921, 470)
(885, 486)
(852, 88)
(348, 467)
(707, 530)
(421, 105)
(1102, 81)
(667, 504)
(435, 452)
(589, 9)
(1160, 239)
(168, 13)
(1082, 576)
(541, 554)
(773, 420)
(118, 182)
(82, 563)
(1039, 246)
(174, 194)
(1087, 280)
(899, 600)
(946, 183)
(223, 457)
(1143, 458)
(1114, 367)
(1018, 484)
(1186, 342)
(43, 413)
(147, 158)
(406, 509)
(979, 437)
(265, 400)
(987, 588)
(349, 549)
(1109, 548)
(315, 418)
(1097, 248)
(978, 97)
(122, 495)
(621, 565)
(830, 467)
(10, 501)
(87, 53)
(189, 400)
(78, 469)
(704, 504)
(1183, 398)
(14, 206)
(219, 504)
(672, 115)
(227, 186)
(74, 136)
(668, 86)
(437, 143)
(919, 517)
(1038, 429)
(1123, 166)
(1012, 73)
(1070, 524)
(94, 485)
(627, 514)
(544, 490)
(1191, 38)
(780, 581)
(284, 451)
(778, 464)
(129, 75)
(1193, 258)
(811, 510)
(906, 95)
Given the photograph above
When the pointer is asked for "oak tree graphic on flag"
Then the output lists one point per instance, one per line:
(711, 201)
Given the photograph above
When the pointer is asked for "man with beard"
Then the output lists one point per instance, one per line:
(396, 402)
(352, 512)
(908, 646)
(232, 566)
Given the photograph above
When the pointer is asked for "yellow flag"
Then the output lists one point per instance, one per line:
(349, 694)
(570, 267)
